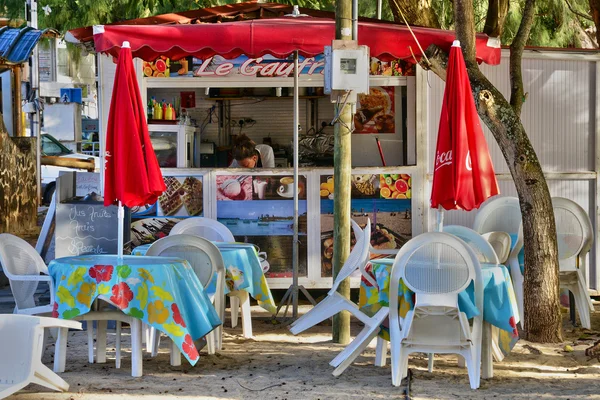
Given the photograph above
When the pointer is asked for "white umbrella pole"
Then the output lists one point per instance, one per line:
(295, 255)
(440, 219)
(121, 218)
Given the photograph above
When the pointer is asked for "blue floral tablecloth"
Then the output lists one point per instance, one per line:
(242, 272)
(163, 292)
(499, 301)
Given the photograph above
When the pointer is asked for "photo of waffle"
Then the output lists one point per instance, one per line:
(183, 197)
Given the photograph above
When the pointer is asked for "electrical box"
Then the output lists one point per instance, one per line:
(347, 67)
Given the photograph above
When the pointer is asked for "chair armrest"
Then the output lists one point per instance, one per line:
(47, 322)
(32, 278)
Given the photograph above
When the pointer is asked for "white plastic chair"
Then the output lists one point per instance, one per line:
(575, 237)
(503, 214)
(206, 261)
(436, 266)
(217, 232)
(335, 303)
(25, 269)
(501, 242)
(21, 338)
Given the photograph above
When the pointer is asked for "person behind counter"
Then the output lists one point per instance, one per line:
(247, 154)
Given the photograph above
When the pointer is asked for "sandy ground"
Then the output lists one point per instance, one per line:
(277, 365)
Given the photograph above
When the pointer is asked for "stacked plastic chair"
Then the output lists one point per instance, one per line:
(436, 266)
(575, 237)
(21, 338)
(503, 214)
(206, 261)
(217, 232)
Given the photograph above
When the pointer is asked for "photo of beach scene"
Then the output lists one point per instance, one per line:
(391, 225)
(261, 218)
(279, 254)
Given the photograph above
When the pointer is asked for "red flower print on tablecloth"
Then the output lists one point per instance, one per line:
(189, 348)
(122, 295)
(368, 270)
(55, 310)
(101, 273)
(177, 315)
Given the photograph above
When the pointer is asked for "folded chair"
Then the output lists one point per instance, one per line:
(436, 266)
(206, 261)
(217, 232)
(21, 347)
(575, 237)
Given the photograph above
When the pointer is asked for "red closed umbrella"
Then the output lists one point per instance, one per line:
(132, 176)
(463, 175)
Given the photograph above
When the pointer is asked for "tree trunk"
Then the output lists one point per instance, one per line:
(595, 11)
(542, 318)
(496, 15)
(416, 12)
(342, 164)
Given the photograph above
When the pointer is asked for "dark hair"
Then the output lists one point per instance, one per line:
(243, 147)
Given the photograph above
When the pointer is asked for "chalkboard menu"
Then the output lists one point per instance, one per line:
(85, 228)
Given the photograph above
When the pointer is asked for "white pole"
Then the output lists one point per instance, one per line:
(440, 219)
(121, 223)
(295, 244)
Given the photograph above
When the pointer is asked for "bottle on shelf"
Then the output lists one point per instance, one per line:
(164, 109)
(168, 112)
(158, 111)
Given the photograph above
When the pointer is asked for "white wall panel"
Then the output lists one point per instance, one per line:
(558, 114)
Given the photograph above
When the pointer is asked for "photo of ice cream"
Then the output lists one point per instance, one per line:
(234, 187)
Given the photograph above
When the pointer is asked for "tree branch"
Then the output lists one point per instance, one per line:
(464, 22)
(577, 12)
(517, 95)
(496, 15)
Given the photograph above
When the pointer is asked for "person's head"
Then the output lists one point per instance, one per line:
(244, 152)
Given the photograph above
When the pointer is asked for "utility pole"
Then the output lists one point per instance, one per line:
(34, 81)
(342, 162)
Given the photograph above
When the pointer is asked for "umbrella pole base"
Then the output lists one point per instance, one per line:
(291, 297)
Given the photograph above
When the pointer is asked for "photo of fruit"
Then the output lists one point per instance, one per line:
(159, 68)
(362, 186)
(395, 186)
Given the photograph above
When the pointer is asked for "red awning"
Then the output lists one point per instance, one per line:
(279, 37)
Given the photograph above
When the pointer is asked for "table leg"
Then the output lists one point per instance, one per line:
(381, 352)
(60, 350)
(90, 336)
(487, 362)
(101, 341)
(136, 347)
(175, 355)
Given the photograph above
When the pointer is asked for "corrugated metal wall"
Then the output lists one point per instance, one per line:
(559, 117)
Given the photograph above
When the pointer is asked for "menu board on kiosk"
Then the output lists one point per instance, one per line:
(259, 209)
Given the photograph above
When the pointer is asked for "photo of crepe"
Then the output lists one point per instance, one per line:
(193, 204)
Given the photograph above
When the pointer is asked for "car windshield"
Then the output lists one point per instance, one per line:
(52, 147)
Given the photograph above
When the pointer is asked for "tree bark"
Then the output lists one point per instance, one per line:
(542, 318)
(517, 95)
(416, 12)
(595, 11)
(342, 164)
(496, 15)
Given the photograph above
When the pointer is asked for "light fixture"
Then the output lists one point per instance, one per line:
(207, 91)
(296, 13)
(278, 92)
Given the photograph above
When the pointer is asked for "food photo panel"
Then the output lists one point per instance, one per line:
(375, 111)
(277, 187)
(234, 187)
(183, 197)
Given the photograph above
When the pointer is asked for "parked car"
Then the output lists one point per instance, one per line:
(52, 147)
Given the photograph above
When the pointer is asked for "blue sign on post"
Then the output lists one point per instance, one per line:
(70, 95)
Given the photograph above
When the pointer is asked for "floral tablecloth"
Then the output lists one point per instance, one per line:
(499, 301)
(242, 272)
(163, 292)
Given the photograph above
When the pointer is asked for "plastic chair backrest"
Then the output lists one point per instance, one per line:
(501, 242)
(204, 257)
(18, 257)
(357, 259)
(482, 248)
(435, 263)
(499, 214)
(574, 231)
(204, 227)
(21, 338)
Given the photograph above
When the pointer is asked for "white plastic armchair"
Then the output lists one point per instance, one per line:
(436, 266)
(483, 249)
(21, 338)
(501, 242)
(575, 237)
(24, 269)
(206, 261)
(503, 214)
(204, 227)
(217, 232)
